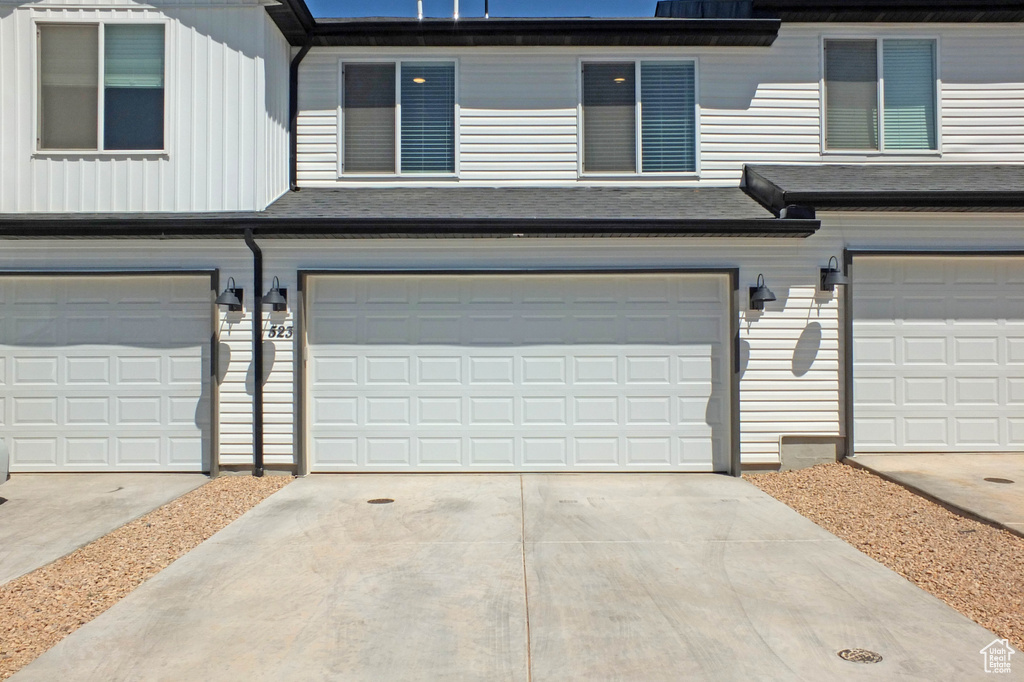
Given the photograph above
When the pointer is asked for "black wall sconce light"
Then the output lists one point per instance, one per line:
(760, 294)
(231, 297)
(276, 297)
(831, 276)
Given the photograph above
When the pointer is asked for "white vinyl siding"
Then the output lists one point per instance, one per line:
(518, 107)
(226, 117)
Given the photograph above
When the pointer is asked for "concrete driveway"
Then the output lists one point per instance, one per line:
(45, 516)
(990, 487)
(620, 577)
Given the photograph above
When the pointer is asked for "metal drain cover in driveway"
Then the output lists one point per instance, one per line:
(998, 480)
(859, 656)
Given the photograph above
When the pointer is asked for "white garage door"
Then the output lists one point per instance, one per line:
(518, 373)
(106, 373)
(938, 354)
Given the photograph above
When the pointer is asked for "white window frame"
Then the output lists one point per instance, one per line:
(880, 88)
(340, 118)
(101, 101)
(638, 113)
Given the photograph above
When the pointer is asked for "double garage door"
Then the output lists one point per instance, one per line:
(517, 372)
(938, 354)
(106, 373)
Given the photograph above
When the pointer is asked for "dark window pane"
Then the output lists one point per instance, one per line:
(68, 86)
(609, 117)
(851, 94)
(133, 92)
(428, 117)
(368, 118)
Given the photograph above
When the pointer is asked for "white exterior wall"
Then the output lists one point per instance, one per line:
(518, 119)
(791, 383)
(226, 98)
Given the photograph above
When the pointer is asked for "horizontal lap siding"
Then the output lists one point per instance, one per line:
(518, 119)
(226, 111)
(518, 122)
(983, 95)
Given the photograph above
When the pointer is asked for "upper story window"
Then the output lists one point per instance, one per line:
(398, 118)
(101, 87)
(656, 98)
(896, 112)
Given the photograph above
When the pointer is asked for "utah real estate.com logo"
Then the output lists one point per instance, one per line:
(997, 656)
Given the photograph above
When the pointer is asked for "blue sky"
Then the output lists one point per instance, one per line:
(475, 8)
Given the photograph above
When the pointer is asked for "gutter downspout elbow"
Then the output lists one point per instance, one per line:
(293, 114)
(257, 354)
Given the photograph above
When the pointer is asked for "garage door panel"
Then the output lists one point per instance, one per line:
(116, 368)
(936, 376)
(533, 372)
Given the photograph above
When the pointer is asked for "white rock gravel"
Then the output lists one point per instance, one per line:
(975, 568)
(39, 609)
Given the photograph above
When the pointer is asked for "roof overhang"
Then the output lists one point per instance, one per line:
(897, 11)
(930, 187)
(186, 227)
(529, 32)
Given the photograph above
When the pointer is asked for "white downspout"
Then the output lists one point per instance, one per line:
(456, 13)
(419, 9)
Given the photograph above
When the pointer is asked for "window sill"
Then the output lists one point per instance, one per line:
(639, 176)
(99, 154)
(874, 153)
(355, 177)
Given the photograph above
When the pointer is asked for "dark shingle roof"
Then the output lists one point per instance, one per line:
(449, 212)
(924, 187)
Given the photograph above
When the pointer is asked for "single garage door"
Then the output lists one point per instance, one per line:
(938, 354)
(517, 372)
(106, 373)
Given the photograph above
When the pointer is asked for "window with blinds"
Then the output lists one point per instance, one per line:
(668, 117)
(887, 107)
(851, 94)
(398, 118)
(909, 94)
(658, 99)
(131, 96)
(428, 117)
(368, 118)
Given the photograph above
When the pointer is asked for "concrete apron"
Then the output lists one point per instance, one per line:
(958, 481)
(46, 516)
(626, 577)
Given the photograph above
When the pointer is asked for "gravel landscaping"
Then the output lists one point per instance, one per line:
(39, 609)
(975, 568)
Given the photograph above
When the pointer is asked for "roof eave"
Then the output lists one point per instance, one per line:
(368, 228)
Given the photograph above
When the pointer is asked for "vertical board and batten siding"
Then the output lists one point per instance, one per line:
(518, 116)
(226, 95)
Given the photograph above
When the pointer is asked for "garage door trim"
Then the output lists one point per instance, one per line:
(849, 255)
(302, 351)
(211, 458)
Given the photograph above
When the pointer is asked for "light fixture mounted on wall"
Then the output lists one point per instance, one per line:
(831, 276)
(231, 297)
(276, 297)
(760, 294)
